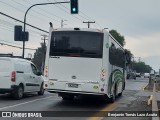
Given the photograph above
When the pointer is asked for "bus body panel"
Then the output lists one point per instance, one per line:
(75, 69)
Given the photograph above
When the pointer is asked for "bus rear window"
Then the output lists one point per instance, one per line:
(76, 44)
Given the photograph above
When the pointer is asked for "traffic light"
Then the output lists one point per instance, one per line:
(74, 6)
(19, 35)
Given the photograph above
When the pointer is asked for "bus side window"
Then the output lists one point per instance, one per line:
(116, 56)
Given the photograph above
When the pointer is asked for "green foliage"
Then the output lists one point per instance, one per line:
(118, 37)
(39, 56)
(141, 67)
(129, 55)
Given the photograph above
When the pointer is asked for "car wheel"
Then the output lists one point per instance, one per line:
(19, 93)
(41, 92)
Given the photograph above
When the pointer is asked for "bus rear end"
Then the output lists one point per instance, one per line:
(75, 63)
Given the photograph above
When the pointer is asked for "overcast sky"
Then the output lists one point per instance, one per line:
(137, 20)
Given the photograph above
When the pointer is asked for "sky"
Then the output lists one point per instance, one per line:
(137, 20)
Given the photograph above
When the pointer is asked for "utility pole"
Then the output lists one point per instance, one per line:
(89, 22)
(62, 23)
(43, 51)
(44, 38)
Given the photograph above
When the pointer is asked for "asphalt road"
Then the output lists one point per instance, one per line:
(51, 102)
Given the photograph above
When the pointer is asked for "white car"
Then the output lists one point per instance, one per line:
(45, 85)
(19, 76)
(146, 75)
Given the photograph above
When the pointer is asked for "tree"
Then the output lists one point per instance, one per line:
(118, 37)
(141, 67)
(39, 57)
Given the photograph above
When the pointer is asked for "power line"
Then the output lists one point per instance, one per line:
(65, 10)
(6, 42)
(10, 6)
(78, 14)
(23, 22)
(44, 10)
(89, 18)
(10, 28)
(19, 10)
(16, 46)
(9, 42)
(37, 12)
(11, 25)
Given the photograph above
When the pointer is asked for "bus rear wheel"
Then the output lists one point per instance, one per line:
(113, 96)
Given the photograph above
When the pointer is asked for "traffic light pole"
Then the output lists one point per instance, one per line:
(24, 28)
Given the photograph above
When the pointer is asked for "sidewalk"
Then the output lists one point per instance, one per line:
(134, 102)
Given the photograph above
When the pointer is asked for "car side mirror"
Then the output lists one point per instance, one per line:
(39, 73)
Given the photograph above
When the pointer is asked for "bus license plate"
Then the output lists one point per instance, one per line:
(73, 85)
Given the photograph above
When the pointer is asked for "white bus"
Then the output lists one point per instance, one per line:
(84, 62)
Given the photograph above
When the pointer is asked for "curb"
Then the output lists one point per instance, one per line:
(154, 103)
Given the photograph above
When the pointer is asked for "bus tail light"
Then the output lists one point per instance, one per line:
(46, 73)
(103, 75)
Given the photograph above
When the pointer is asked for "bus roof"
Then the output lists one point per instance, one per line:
(80, 29)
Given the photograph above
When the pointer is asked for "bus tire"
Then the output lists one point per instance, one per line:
(120, 94)
(113, 96)
(123, 87)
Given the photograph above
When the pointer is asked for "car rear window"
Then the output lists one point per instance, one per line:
(5, 66)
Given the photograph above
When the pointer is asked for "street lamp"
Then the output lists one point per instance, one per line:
(24, 28)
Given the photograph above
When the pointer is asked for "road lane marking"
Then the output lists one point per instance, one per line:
(23, 103)
(144, 86)
(108, 108)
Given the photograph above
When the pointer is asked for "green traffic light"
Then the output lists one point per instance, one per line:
(74, 9)
(74, 6)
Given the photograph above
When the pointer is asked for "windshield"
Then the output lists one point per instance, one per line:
(76, 44)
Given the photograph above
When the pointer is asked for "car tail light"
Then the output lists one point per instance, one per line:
(13, 77)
